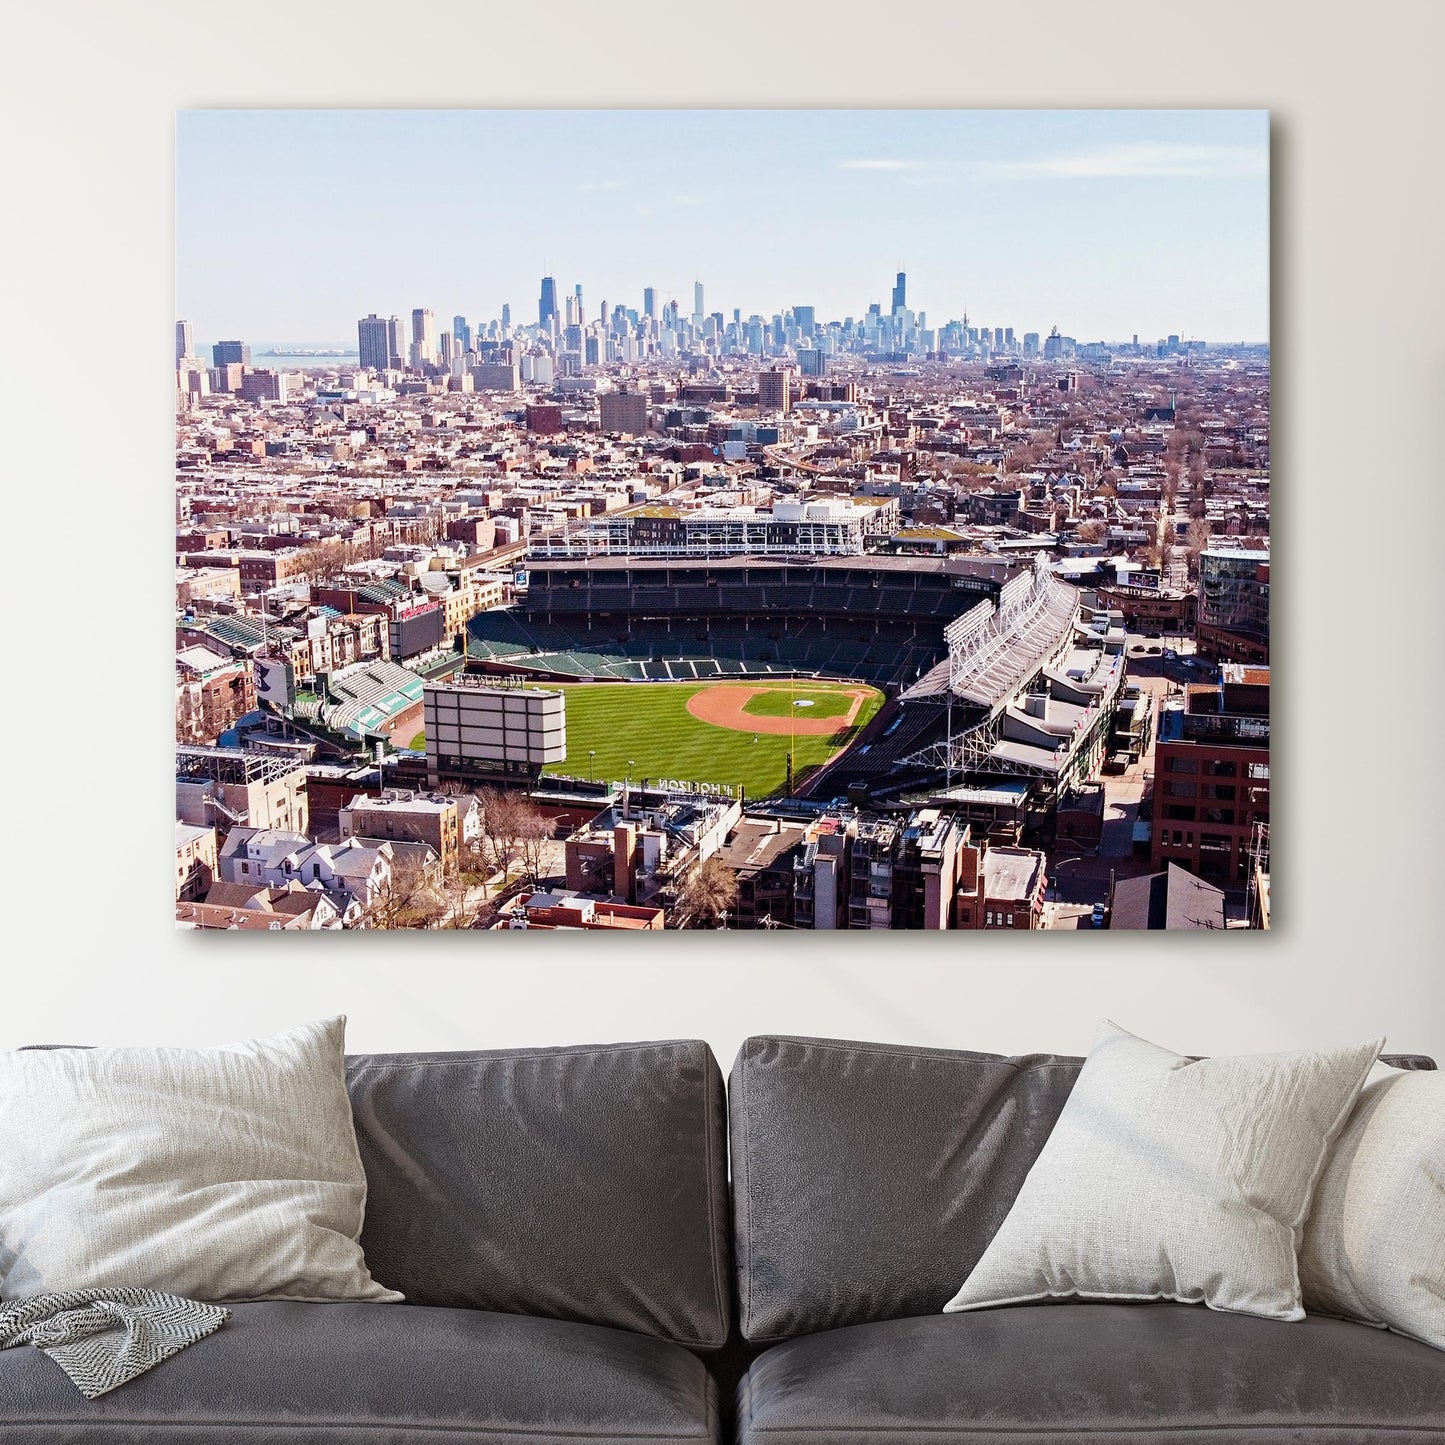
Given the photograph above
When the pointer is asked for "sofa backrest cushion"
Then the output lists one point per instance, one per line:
(573, 1183)
(868, 1177)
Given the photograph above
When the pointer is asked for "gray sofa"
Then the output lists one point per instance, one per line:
(867, 1181)
(561, 1224)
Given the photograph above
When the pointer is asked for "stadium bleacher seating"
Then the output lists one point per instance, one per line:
(874, 651)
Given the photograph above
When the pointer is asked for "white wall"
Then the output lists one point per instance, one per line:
(1359, 367)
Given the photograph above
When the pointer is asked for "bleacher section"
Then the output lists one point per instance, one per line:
(362, 698)
(901, 731)
(881, 653)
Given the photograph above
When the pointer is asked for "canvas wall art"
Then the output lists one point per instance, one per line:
(746, 520)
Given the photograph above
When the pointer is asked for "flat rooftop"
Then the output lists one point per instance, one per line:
(1012, 873)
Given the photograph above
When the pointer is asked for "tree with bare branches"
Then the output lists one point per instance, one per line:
(708, 896)
(513, 829)
(409, 898)
(1196, 541)
(534, 829)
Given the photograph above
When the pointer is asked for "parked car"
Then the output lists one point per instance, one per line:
(1098, 915)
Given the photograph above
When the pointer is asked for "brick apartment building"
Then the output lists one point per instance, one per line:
(212, 693)
(400, 815)
(1151, 609)
(1211, 771)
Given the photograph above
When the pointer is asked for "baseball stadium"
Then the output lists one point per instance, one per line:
(869, 676)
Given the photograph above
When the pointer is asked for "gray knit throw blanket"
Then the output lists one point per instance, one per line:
(103, 1337)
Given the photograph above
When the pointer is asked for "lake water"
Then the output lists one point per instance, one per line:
(288, 363)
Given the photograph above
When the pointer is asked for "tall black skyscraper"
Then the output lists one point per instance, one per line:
(547, 305)
(900, 293)
(228, 353)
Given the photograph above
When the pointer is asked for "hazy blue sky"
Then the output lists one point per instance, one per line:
(291, 224)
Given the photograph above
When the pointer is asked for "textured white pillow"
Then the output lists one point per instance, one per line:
(1374, 1244)
(221, 1174)
(1167, 1178)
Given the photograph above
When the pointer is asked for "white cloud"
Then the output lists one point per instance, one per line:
(1117, 162)
(1130, 162)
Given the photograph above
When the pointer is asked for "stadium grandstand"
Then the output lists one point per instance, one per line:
(1028, 690)
(871, 619)
(993, 672)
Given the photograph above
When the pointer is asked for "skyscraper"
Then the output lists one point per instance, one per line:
(423, 337)
(547, 302)
(373, 342)
(775, 390)
(900, 293)
(806, 319)
(649, 302)
(185, 345)
(697, 312)
(396, 342)
(623, 412)
(506, 313)
(229, 353)
(461, 334)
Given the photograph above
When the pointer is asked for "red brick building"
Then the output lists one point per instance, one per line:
(1211, 775)
(544, 419)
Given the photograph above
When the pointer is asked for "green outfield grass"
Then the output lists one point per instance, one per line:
(649, 724)
(779, 702)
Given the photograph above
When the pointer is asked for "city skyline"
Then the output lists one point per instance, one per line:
(1106, 224)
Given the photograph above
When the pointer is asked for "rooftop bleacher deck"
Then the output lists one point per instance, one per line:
(363, 697)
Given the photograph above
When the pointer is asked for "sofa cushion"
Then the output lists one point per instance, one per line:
(868, 1179)
(1100, 1374)
(321, 1374)
(575, 1183)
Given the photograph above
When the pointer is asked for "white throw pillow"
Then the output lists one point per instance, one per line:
(1374, 1244)
(1167, 1178)
(221, 1174)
